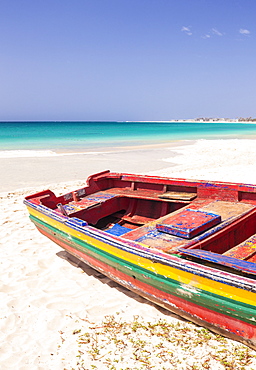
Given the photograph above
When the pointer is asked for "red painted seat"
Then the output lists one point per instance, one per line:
(189, 223)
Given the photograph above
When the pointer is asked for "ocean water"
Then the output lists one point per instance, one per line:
(42, 138)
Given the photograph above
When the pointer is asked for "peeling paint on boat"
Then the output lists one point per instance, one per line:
(192, 276)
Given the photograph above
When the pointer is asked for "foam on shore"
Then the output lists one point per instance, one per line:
(40, 153)
(25, 153)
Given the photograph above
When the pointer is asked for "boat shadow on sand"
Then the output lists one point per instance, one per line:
(112, 284)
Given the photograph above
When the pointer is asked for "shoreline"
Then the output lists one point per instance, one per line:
(216, 159)
(50, 139)
(7, 153)
(26, 171)
(211, 120)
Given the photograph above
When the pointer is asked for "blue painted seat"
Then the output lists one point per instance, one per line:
(118, 230)
(231, 262)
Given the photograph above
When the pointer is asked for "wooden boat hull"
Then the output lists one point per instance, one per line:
(219, 300)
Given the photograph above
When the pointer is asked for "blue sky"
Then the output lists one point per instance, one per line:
(127, 59)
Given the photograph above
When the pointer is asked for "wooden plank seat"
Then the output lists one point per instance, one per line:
(153, 236)
(136, 220)
(244, 250)
(176, 195)
(220, 259)
(85, 203)
(189, 223)
(98, 198)
(172, 196)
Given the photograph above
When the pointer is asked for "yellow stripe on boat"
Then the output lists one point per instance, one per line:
(183, 277)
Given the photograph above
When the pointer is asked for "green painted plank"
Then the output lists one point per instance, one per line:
(203, 298)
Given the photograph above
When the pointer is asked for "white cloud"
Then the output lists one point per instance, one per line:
(244, 31)
(186, 30)
(216, 32)
(207, 36)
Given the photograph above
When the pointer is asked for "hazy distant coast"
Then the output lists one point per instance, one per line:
(209, 120)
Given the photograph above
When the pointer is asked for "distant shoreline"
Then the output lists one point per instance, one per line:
(195, 121)
(203, 120)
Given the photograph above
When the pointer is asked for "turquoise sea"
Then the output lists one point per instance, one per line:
(77, 136)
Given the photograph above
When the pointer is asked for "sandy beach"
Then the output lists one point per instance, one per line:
(48, 301)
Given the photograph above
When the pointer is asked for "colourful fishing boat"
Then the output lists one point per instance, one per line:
(187, 245)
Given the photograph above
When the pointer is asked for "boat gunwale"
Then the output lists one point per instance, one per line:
(155, 256)
(160, 278)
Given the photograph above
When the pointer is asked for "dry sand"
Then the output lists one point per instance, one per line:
(46, 299)
(219, 160)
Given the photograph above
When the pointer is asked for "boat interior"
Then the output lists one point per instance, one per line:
(196, 219)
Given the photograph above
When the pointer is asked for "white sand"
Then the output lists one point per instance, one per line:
(44, 298)
(219, 160)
